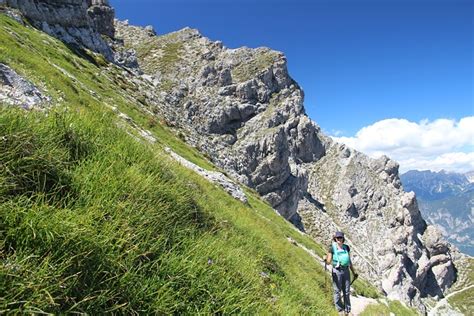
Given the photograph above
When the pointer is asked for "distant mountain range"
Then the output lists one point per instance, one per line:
(447, 201)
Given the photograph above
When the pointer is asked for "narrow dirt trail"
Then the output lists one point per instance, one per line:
(358, 303)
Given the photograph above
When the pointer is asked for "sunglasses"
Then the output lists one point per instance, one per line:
(340, 238)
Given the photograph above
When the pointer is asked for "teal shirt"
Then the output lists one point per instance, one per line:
(341, 256)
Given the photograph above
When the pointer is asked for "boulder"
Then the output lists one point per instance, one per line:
(17, 91)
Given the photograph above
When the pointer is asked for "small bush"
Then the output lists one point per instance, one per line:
(181, 136)
(152, 122)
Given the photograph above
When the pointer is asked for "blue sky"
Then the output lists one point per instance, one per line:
(359, 62)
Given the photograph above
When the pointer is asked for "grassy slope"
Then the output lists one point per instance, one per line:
(92, 220)
(463, 299)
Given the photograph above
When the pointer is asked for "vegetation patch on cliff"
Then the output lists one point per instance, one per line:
(158, 53)
(247, 70)
(461, 297)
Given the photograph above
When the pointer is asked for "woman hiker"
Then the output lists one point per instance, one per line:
(339, 256)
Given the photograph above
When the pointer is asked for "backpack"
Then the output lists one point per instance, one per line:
(340, 256)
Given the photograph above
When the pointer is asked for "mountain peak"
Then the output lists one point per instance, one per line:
(470, 176)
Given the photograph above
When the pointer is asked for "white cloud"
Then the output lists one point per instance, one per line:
(440, 144)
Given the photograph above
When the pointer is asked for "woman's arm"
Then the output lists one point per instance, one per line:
(352, 269)
(329, 258)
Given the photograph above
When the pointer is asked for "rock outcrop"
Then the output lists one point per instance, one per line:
(241, 107)
(17, 91)
(78, 22)
(102, 16)
(213, 176)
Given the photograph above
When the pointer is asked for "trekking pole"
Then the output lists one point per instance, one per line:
(325, 275)
(355, 278)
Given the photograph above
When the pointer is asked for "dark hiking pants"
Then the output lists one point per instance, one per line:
(342, 284)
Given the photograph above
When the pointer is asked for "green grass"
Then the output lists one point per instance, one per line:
(93, 221)
(170, 56)
(393, 308)
(364, 288)
(40, 58)
(463, 300)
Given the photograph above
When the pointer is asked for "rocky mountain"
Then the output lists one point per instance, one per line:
(446, 200)
(244, 111)
(470, 176)
(430, 186)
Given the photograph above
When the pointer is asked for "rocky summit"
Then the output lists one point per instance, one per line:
(244, 111)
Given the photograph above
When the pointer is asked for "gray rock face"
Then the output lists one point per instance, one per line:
(126, 58)
(241, 107)
(102, 16)
(15, 90)
(213, 176)
(67, 13)
(78, 22)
